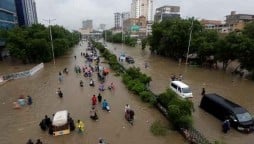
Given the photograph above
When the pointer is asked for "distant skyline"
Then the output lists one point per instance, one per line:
(71, 13)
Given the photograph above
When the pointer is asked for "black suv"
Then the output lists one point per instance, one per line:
(129, 60)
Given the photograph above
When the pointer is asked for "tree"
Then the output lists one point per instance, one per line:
(249, 30)
(32, 44)
(170, 37)
(143, 43)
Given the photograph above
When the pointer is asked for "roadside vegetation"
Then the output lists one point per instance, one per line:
(179, 110)
(32, 44)
(117, 38)
(170, 38)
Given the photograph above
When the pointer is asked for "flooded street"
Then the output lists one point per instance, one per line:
(17, 126)
(215, 81)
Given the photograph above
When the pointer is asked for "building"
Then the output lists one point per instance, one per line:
(166, 12)
(26, 12)
(125, 15)
(234, 18)
(142, 8)
(8, 16)
(102, 27)
(117, 20)
(217, 25)
(87, 25)
(135, 26)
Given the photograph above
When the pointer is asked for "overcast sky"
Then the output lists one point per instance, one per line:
(70, 13)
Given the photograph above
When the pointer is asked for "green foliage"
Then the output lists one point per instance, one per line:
(158, 129)
(170, 37)
(218, 142)
(117, 38)
(179, 110)
(166, 97)
(32, 44)
(143, 43)
(249, 30)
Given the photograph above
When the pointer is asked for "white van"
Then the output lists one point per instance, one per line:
(181, 89)
(60, 123)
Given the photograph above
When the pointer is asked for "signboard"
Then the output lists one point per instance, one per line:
(135, 28)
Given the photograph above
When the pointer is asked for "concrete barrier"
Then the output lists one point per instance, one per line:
(23, 74)
(36, 69)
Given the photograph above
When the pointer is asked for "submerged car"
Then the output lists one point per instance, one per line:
(129, 60)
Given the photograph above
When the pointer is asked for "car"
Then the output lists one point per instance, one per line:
(223, 108)
(129, 60)
(181, 89)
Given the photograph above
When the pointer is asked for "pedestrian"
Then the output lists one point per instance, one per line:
(226, 125)
(93, 113)
(127, 107)
(38, 141)
(203, 92)
(94, 100)
(48, 121)
(80, 126)
(29, 100)
(75, 57)
(146, 65)
(43, 125)
(99, 98)
(105, 105)
(29, 141)
(60, 77)
(101, 141)
(60, 93)
(180, 77)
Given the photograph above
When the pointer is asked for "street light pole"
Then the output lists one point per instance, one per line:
(51, 39)
(188, 50)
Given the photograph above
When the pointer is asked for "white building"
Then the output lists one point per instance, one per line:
(142, 8)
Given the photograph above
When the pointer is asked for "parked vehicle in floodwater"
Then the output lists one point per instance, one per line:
(223, 109)
(129, 60)
(181, 89)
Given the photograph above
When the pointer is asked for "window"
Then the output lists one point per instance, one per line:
(186, 90)
(174, 86)
(244, 117)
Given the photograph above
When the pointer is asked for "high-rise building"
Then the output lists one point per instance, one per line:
(26, 12)
(7, 14)
(117, 18)
(125, 15)
(142, 8)
(87, 24)
(166, 12)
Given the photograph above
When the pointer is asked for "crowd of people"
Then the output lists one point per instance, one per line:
(90, 66)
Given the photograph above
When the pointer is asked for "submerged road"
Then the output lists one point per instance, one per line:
(215, 81)
(17, 126)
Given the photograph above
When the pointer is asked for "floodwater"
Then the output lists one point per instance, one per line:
(215, 81)
(17, 126)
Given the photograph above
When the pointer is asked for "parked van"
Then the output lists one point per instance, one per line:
(181, 89)
(223, 109)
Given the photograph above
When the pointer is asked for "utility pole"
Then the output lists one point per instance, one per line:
(51, 39)
(187, 55)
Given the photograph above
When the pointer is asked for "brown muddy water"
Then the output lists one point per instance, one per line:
(232, 87)
(17, 126)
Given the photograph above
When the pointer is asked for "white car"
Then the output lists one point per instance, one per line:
(181, 89)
